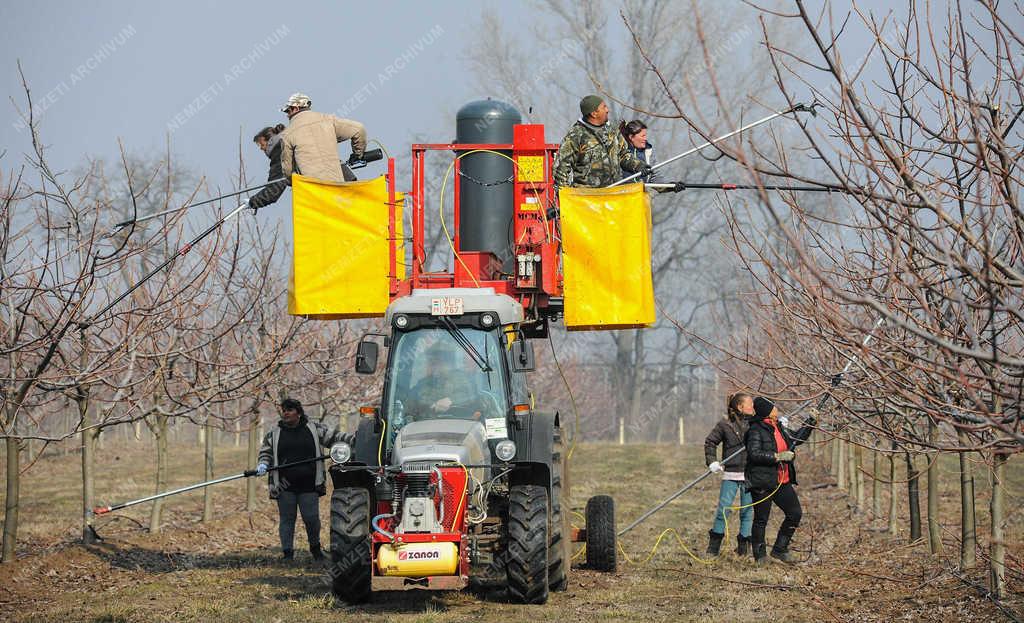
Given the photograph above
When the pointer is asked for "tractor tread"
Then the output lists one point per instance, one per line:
(350, 569)
(527, 561)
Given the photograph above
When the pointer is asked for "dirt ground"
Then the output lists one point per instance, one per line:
(227, 569)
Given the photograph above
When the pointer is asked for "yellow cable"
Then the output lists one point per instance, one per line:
(679, 539)
(380, 446)
(462, 499)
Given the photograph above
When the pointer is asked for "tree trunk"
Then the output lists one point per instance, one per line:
(892, 491)
(834, 465)
(841, 472)
(12, 500)
(934, 531)
(859, 451)
(238, 433)
(160, 434)
(914, 501)
(251, 457)
(876, 485)
(851, 471)
(968, 524)
(208, 471)
(88, 484)
(997, 552)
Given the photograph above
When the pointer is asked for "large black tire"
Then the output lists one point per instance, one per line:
(351, 567)
(601, 554)
(559, 552)
(527, 562)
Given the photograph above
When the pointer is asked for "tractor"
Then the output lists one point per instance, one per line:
(456, 479)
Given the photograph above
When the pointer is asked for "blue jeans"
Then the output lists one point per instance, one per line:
(725, 497)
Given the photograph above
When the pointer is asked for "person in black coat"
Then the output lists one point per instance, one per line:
(771, 475)
(269, 141)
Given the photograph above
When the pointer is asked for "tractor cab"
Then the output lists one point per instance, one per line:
(454, 355)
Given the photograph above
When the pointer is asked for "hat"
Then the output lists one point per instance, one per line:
(763, 407)
(589, 104)
(297, 99)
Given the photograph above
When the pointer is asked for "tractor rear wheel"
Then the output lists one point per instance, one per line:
(527, 561)
(559, 554)
(601, 554)
(350, 544)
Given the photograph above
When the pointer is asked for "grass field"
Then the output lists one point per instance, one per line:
(226, 569)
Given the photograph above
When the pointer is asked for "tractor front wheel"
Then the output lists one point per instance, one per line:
(351, 567)
(527, 561)
(601, 554)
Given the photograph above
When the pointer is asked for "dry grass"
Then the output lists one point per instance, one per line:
(227, 569)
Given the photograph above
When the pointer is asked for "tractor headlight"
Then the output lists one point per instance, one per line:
(487, 320)
(505, 450)
(341, 452)
(401, 321)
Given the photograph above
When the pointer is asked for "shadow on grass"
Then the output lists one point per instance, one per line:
(292, 581)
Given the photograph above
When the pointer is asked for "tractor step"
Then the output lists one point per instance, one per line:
(432, 583)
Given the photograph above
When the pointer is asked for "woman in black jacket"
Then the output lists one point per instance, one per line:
(770, 473)
(269, 141)
(729, 434)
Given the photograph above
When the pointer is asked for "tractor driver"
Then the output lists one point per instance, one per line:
(444, 386)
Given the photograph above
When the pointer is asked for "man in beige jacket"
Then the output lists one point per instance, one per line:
(309, 146)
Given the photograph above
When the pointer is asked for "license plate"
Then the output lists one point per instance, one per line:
(446, 306)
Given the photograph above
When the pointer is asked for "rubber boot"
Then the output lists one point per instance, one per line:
(780, 550)
(287, 554)
(318, 553)
(742, 545)
(760, 552)
(714, 542)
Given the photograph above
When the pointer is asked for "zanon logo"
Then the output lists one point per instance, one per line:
(417, 555)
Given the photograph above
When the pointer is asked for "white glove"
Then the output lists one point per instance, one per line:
(261, 469)
(716, 467)
(783, 421)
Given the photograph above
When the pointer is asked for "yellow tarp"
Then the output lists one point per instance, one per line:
(606, 257)
(340, 261)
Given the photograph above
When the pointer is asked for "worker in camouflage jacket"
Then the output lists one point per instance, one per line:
(593, 154)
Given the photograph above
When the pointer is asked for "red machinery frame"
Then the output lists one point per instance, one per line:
(536, 277)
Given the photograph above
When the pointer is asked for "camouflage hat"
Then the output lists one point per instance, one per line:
(297, 99)
(589, 104)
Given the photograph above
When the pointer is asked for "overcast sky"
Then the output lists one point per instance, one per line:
(206, 73)
(210, 74)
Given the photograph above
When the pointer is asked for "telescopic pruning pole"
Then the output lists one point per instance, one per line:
(180, 252)
(102, 510)
(796, 108)
(689, 186)
(708, 472)
(143, 219)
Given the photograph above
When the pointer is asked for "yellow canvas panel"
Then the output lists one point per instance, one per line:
(340, 259)
(606, 257)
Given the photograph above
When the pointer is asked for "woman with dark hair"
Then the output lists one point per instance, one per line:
(771, 476)
(635, 133)
(269, 141)
(729, 433)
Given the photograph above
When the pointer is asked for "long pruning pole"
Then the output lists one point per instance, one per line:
(143, 219)
(101, 510)
(688, 186)
(708, 472)
(180, 252)
(796, 108)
